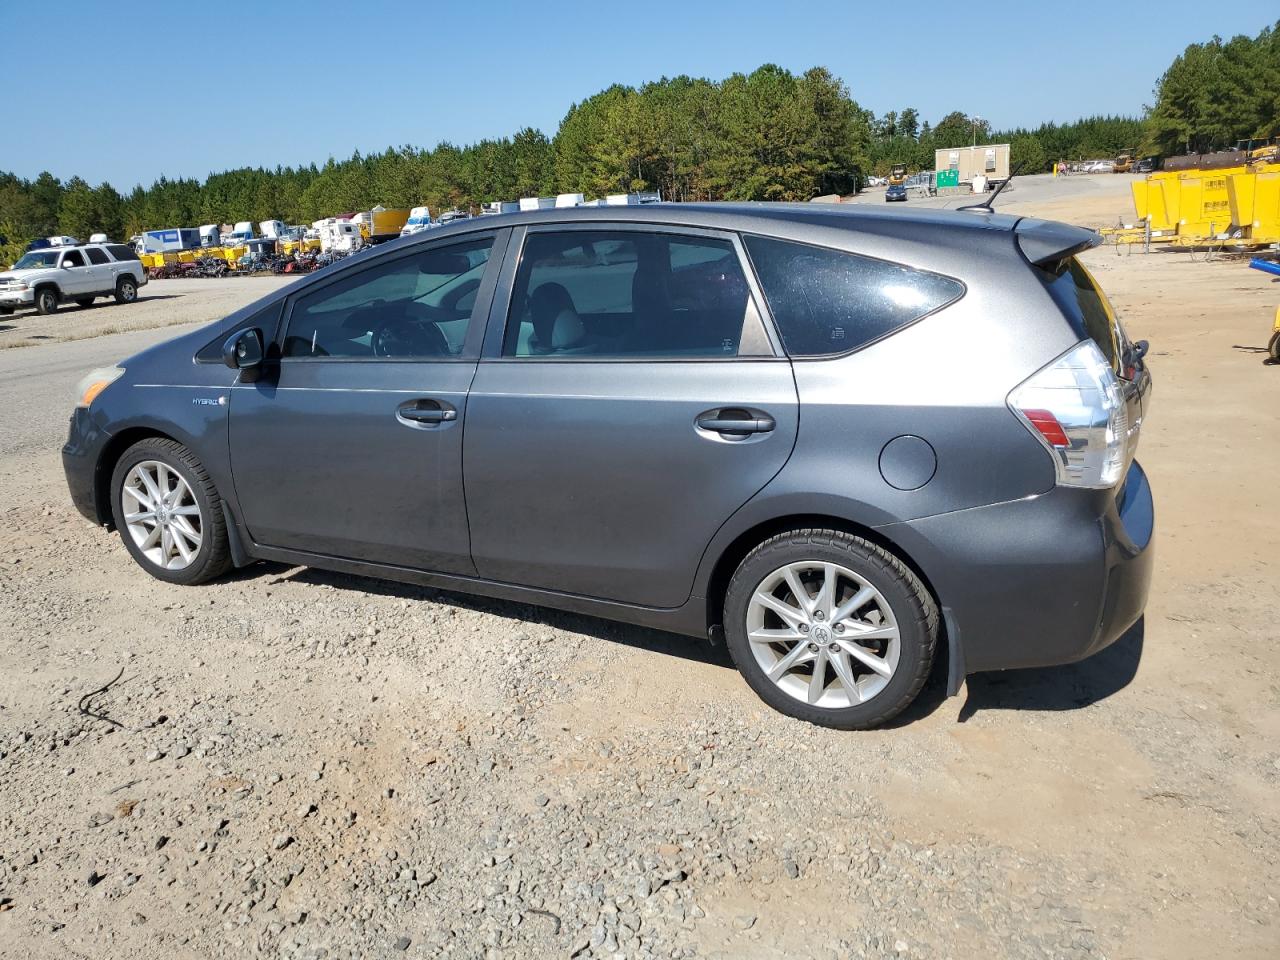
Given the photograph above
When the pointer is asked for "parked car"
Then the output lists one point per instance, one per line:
(895, 191)
(55, 275)
(1100, 166)
(847, 442)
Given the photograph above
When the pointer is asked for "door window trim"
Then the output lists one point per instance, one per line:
(475, 328)
(500, 309)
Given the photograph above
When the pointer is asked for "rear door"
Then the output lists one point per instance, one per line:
(629, 399)
(351, 446)
(101, 268)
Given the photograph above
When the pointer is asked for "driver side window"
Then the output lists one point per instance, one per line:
(410, 308)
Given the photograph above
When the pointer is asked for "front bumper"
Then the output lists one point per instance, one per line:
(16, 298)
(80, 457)
(1042, 581)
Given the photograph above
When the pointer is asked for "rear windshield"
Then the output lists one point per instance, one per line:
(828, 302)
(122, 251)
(1088, 310)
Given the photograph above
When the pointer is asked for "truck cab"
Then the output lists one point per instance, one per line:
(419, 220)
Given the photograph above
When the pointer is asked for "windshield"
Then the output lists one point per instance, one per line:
(36, 259)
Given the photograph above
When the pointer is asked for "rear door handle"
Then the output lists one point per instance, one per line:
(735, 422)
(425, 412)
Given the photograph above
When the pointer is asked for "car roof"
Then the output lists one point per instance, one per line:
(753, 217)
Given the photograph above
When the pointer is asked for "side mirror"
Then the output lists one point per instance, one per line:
(243, 351)
(66, 265)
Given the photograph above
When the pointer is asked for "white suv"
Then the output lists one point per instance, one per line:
(46, 278)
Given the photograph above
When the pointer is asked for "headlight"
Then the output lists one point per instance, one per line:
(95, 382)
(19, 286)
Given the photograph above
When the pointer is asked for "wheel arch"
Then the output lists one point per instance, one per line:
(737, 549)
(112, 451)
(46, 285)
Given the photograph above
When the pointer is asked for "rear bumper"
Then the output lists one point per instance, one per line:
(1042, 581)
(80, 456)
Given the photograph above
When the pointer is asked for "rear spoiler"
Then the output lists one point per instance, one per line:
(1046, 243)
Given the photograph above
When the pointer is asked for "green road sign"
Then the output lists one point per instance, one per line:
(948, 178)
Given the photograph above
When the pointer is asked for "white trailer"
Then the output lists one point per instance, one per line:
(342, 236)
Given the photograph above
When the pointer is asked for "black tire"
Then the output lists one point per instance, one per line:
(84, 303)
(6, 311)
(1273, 348)
(912, 606)
(213, 558)
(47, 301)
(126, 290)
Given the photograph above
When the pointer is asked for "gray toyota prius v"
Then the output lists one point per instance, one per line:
(849, 442)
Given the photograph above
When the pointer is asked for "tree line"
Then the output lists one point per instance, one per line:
(767, 135)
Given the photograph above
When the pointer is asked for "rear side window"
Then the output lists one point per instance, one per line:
(827, 302)
(1086, 307)
(632, 295)
(96, 256)
(122, 252)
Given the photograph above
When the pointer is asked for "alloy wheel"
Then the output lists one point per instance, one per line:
(161, 514)
(823, 634)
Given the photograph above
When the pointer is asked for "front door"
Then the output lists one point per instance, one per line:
(77, 276)
(633, 403)
(352, 445)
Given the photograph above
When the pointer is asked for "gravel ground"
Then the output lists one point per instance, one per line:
(160, 303)
(293, 763)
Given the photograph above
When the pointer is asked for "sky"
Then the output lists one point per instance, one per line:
(185, 89)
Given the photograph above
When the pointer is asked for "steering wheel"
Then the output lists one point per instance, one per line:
(407, 336)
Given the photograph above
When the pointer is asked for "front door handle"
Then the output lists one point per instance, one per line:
(734, 422)
(425, 412)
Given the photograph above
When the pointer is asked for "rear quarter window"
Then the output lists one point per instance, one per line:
(827, 302)
(122, 252)
(1087, 309)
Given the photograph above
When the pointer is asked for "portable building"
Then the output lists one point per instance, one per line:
(989, 160)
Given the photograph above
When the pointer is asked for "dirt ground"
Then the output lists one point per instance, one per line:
(161, 303)
(297, 763)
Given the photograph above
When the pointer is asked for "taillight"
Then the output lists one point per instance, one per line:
(1074, 406)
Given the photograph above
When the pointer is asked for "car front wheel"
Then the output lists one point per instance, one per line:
(169, 513)
(46, 302)
(830, 628)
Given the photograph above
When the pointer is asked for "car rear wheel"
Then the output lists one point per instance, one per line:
(169, 513)
(84, 302)
(46, 301)
(126, 290)
(830, 628)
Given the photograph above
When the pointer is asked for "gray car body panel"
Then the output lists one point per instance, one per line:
(1026, 572)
